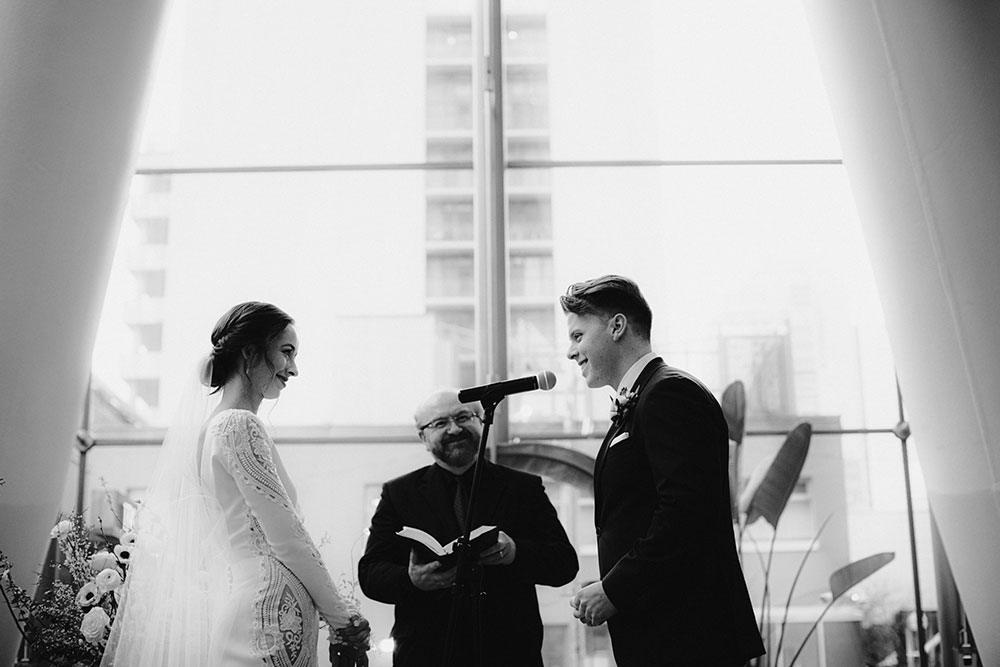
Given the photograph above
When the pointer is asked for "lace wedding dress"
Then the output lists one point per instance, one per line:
(223, 571)
(279, 583)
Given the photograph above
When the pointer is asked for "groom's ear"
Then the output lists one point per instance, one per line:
(618, 324)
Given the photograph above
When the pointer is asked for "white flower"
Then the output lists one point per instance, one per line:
(88, 595)
(108, 580)
(102, 560)
(95, 622)
(61, 529)
(123, 552)
(128, 539)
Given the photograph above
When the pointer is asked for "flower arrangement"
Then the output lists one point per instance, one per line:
(69, 623)
(622, 406)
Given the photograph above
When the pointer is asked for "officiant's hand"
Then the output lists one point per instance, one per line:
(429, 576)
(591, 605)
(501, 553)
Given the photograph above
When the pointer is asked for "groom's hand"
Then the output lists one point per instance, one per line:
(342, 655)
(428, 576)
(357, 633)
(353, 652)
(591, 605)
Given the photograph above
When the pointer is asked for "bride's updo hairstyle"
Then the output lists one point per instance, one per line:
(246, 328)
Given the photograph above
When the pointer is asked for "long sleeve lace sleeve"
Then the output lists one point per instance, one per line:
(245, 451)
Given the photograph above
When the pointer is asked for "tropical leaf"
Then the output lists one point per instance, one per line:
(842, 581)
(753, 483)
(853, 574)
(769, 497)
(734, 407)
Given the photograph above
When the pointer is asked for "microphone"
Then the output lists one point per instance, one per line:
(544, 381)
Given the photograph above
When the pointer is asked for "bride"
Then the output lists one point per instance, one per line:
(224, 572)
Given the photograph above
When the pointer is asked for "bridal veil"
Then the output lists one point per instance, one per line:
(178, 576)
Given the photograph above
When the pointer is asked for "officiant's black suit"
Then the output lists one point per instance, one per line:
(665, 540)
(511, 625)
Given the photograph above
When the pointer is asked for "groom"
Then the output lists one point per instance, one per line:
(671, 587)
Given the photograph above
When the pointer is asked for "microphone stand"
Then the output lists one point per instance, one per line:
(469, 575)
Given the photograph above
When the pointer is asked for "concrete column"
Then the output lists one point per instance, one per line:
(73, 78)
(914, 87)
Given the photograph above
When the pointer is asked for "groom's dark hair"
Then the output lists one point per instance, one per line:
(248, 327)
(607, 296)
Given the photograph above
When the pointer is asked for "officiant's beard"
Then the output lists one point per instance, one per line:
(456, 450)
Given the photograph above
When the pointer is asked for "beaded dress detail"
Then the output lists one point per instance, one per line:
(279, 583)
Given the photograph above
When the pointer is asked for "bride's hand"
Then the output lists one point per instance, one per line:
(355, 638)
(357, 634)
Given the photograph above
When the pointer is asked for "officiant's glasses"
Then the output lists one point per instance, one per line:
(460, 419)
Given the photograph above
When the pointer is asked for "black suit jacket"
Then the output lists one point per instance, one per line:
(665, 540)
(511, 625)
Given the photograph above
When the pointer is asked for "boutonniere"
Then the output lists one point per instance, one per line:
(622, 406)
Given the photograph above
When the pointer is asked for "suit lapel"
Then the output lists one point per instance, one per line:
(619, 428)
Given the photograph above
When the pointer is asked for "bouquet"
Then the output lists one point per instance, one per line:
(68, 624)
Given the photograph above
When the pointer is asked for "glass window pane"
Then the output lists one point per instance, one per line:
(253, 83)
(346, 254)
(648, 79)
(756, 274)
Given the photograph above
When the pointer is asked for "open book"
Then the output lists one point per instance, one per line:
(479, 539)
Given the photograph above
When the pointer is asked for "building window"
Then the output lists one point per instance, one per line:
(527, 97)
(449, 37)
(156, 183)
(449, 218)
(450, 276)
(530, 217)
(149, 336)
(449, 150)
(147, 390)
(526, 37)
(528, 148)
(151, 282)
(449, 97)
(531, 275)
(152, 231)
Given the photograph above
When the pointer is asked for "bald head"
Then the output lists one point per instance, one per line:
(440, 401)
(450, 430)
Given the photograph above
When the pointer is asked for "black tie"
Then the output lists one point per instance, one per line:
(458, 503)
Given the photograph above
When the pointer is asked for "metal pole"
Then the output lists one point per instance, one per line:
(84, 443)
(902, 431)
(495, 230)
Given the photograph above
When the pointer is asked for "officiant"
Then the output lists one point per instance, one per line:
(531, 548)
